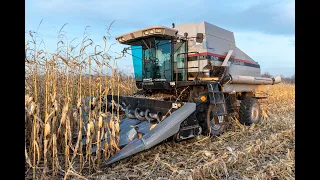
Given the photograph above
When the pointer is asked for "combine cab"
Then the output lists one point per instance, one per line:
(200, 74)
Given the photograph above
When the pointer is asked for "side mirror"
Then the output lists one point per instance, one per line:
(199, 38)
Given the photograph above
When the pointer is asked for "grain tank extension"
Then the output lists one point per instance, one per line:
(201, 77)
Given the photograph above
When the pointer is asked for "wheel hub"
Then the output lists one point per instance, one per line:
(216, 123)
(255, 112)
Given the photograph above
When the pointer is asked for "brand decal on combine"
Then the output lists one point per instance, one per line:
(218, 57)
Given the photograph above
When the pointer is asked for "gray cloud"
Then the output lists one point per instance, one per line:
(266, 17)
(272, 16)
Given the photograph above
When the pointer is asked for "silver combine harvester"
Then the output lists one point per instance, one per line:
(204, 79)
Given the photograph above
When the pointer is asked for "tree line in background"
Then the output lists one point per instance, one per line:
(288, 80)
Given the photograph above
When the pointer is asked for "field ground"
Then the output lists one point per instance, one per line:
(263, 151)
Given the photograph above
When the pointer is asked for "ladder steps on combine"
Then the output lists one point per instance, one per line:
(217, 98)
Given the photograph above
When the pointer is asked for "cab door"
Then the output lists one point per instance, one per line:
(179, 71)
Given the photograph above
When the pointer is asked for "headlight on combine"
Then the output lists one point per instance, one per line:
(158, 30)
(146, 33)
(151, 31)
(121, 39)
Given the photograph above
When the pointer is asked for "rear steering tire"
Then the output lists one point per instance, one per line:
(250, 112)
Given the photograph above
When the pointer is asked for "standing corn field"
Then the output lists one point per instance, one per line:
(59, 87)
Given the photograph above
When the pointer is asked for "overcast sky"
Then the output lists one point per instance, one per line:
(265, 30)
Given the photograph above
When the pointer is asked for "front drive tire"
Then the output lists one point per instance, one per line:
(216, 124)
(250, 112)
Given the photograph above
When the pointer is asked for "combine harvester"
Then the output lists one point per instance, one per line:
(204, 79)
